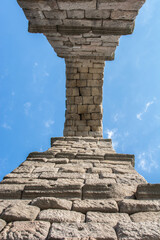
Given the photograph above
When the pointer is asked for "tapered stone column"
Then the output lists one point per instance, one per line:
(84, 87)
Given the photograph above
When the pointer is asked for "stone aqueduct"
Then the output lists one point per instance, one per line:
(80, 188)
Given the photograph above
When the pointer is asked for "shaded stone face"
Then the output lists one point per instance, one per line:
(84, 83)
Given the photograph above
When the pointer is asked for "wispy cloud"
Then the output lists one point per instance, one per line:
(116, 117)
(27, 107)
(6, 126)
(48, 123)
(112, 134)
(147, 161)
(148, 104)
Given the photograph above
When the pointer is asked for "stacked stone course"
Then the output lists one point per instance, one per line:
(84, 84)
(80, 188)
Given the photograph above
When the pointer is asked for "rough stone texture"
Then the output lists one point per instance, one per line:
(54, 215)
(110, 219)
(86, 190)
(83, 231)
(146, 217)
(84, 82)
(138, 231)
(50, 202)
(133, 206)
(25, 230)
(148, 191)
(20, 212)
(2, 224)
(84, 206)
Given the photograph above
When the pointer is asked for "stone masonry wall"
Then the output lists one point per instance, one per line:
(84, 83)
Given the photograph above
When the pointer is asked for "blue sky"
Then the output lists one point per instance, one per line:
(32, 92)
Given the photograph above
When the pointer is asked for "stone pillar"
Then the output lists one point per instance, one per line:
(84, 85)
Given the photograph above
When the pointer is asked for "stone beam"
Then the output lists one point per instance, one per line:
(82, 28)
(85, 33)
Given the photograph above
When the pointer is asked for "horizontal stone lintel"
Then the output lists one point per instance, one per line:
(77, 30)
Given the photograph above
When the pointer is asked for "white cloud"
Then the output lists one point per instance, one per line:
(48, 123)
(27, 107)
(6, 126)
(148, 104)
(146, 161)
(112, 134)
(116, 117)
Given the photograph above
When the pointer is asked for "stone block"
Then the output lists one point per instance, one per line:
(75, 14)
(100, 170)
(84, 206)
(72, 169)
(55, 14)
(138, 231)
(86, 76)
(145, 217)
(97, 76)
(58, 216)
(71, 83)
(148, 191)
(123, 5)
(87, 100)
(85, 231)
(86, 116)
(104, 191)
(111, 219)
(130, 179)
(131, 206)
(11, 191)
(51, 203)
(72, 76)
(85, 91)
(95, 83)
(71, 92)
(96, 116)
(83, 128)
(124, 15)
(82, 109)
(94, 122)
(81, 83)
(20, 212)
(2, 224)
(75, 5)
(78, 100)
(26, 230)
(70, 100)
(96, 91)
(97, 14)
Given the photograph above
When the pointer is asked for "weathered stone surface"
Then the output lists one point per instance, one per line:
(56, 215)
(11, 191)
(84, 206)
(131, 206)
(88, 231)
(138, 231)
(20, 212)
(25, 230)
(103, 191)
(130, 179)
(148, 191)
(110, 219)
(50, 202)
(146, 217)
(2, 224)
(5, 203)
